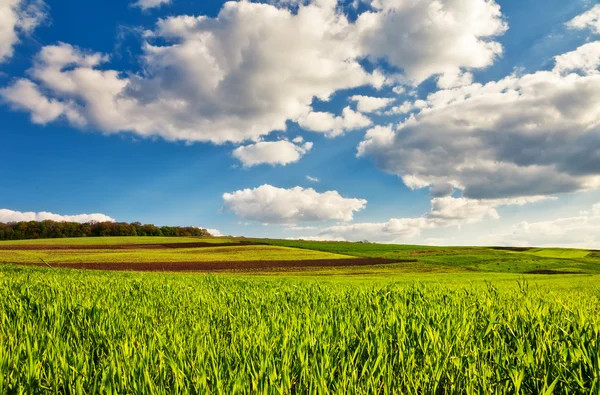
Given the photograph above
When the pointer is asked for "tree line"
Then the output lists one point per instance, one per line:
(52, 229)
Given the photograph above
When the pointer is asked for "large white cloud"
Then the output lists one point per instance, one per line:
(18, 216)
(147, 4)
(18, 18)
(255, 67)
(269, 204)
(535, 134)
(424, 38)
(280, 152)
(588, 20)
(238, 76)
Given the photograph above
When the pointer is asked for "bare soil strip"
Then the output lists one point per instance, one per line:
(223, 265)
(516, 249)
(550, 271)
(36, 247)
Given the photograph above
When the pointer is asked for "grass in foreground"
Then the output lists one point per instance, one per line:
(68, 331)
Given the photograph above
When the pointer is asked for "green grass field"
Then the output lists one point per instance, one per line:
(205, 254)
(69, 331)
(473, 258)
(456, 320)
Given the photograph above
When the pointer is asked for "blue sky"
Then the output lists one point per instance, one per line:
(150, 112)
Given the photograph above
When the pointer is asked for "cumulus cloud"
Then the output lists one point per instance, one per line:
(392, 230)
(332, 126)
(280, 152)
(255, 66)
(147, 4)
(529, 135)
(445, 212)
(269, 204)
(585, 59)
(454, 79)
(18, 18)
(368, 104)
(235, 77)
(425, 38)
(214, 232)
(581, 231)
(588, 20)
(18, 216)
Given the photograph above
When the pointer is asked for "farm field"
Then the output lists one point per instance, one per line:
(69, 331)
(207, 254)
(488, 259)
(388, 319)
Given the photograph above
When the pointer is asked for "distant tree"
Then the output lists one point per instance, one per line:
(52, 229)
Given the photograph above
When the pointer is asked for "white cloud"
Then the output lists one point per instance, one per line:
(300, 228)
(280, 152)
(445, 212)
(393, 230)
(454, 79)
(585, 59)
(406, 107)
(17, 216)
(581, 231)
(235, 77)
(531, 135)
(312, 179)
(331, 125)
(269, 204)
(255, 66)
(214, 232)
(368, 104)
(425, 38)
(450, 211)
(588, 20)
(147, 4)
(18, 18)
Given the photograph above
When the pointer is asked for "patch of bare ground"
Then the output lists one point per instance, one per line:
(549, 271)
(516, 249)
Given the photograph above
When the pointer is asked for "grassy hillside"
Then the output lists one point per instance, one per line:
(475, 258)
(205, 254)
(412, 258)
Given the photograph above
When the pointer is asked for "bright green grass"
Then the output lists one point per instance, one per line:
(475, 258)
(119, 240)
(68, 331)
(204, 254)
(564, 253)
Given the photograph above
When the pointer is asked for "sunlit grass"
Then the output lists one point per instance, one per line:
(205, 254)
(69, 331)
